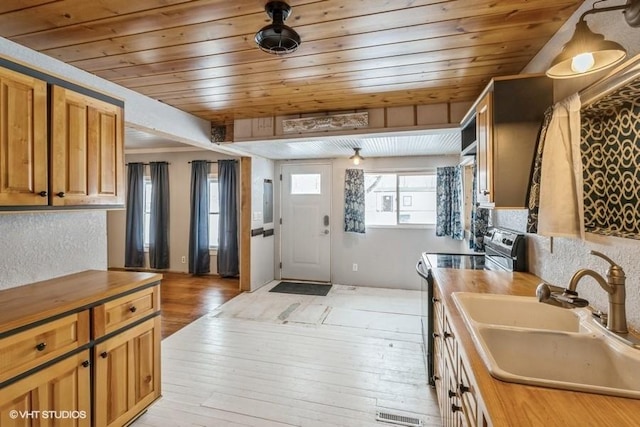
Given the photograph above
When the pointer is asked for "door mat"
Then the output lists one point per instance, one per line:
(301, 288)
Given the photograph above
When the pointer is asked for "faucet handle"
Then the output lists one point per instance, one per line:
(615, 274)
(604, 257)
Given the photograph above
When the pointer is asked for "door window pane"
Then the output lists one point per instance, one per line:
(308, 183)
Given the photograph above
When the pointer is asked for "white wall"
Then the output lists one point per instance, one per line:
(262, 248)
(386, 257)
(179, 199)
(40, 246)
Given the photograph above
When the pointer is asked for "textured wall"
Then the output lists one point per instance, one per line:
(555, 260)
(262, 248)
(40, 246)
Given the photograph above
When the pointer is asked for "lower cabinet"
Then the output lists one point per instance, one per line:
(458, 399)
(127, 373)
(59, 396)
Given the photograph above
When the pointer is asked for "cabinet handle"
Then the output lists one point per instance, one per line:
(435, 378)
(463, 388)
(455, 408)
(133, 309)
(435, 335)
(448, 335)
(41, 346)
(86, 364)
(452, 393)
(60, 194)
(485, 192)
(104, 354)
(42, 194)
(434, 300)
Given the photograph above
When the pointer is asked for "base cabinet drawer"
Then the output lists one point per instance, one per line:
(127, 374)
(32, 347)
(57, 396)
(124, 311)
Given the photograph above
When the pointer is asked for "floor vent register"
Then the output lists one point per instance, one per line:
(402, 420)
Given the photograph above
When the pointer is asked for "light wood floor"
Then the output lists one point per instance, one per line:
(185, 298)
(270, 359)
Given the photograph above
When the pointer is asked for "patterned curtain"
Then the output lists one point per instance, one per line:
(354, 201)
(449, 202)
(534, 186)
(479, 218)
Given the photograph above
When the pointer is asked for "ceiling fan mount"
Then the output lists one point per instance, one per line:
(277, 38)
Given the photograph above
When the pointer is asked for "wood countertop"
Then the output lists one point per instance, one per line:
(518, 405)
(31, 303)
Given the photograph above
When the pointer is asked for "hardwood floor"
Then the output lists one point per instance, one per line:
(186, 298)
(270, 359)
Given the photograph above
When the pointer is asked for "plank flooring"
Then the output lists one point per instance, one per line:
(185, 298)
(272, 359)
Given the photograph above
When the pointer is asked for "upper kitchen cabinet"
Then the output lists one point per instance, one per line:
(23, 140)
(87, 164)
(507, 119)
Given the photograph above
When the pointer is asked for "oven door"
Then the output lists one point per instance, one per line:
(426, 295)
(494, 260)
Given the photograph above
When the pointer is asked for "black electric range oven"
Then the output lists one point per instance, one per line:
(504, 251)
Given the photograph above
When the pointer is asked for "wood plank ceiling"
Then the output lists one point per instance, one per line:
(200, 56)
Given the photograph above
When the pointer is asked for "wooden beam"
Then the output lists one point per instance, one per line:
(245, 223)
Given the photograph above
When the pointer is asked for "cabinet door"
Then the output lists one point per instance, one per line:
(87, 166)
(127, 374)
(484, 167)
(59, 395)
(23, 140)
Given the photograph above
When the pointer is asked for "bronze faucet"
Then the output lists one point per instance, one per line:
(614, 286)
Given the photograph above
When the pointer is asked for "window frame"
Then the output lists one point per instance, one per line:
(398, 174)
(211, 179)
(146, 226)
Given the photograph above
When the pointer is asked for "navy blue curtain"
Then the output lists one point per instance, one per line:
(159, 216)
(134, 232)
(228, 263)
(449, 202)
(199, 259)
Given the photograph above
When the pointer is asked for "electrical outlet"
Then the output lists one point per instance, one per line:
(355, 267)
(184, 259)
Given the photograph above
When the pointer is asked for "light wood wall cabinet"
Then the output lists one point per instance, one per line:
(23, 140)
(458, 398)
(87, 164)
(83, 348)
(507, 119)
(60, 144)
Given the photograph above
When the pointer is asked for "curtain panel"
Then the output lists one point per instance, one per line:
(228, 262)
(449, 202)
(479, 218)
(134, 234)
(199, 259)
(533, 198)
(159, 216)
(354, 201)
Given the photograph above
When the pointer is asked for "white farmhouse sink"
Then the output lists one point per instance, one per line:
(517, 311)
(523, 341)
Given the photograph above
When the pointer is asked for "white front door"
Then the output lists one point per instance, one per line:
(306, 222)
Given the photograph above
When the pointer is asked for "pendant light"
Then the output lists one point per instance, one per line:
(588, 52)
(357, 158)
(277, 38)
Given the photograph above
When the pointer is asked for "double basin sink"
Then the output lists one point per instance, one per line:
(524, 341)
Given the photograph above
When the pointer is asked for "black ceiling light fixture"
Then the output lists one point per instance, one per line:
(277, 38)
(588, 52)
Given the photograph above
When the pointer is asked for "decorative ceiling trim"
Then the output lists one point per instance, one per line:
(326, 123)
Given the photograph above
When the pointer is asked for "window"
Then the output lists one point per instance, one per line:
(399, 199)
(308, 183)
(147, 209)
(214, 211)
